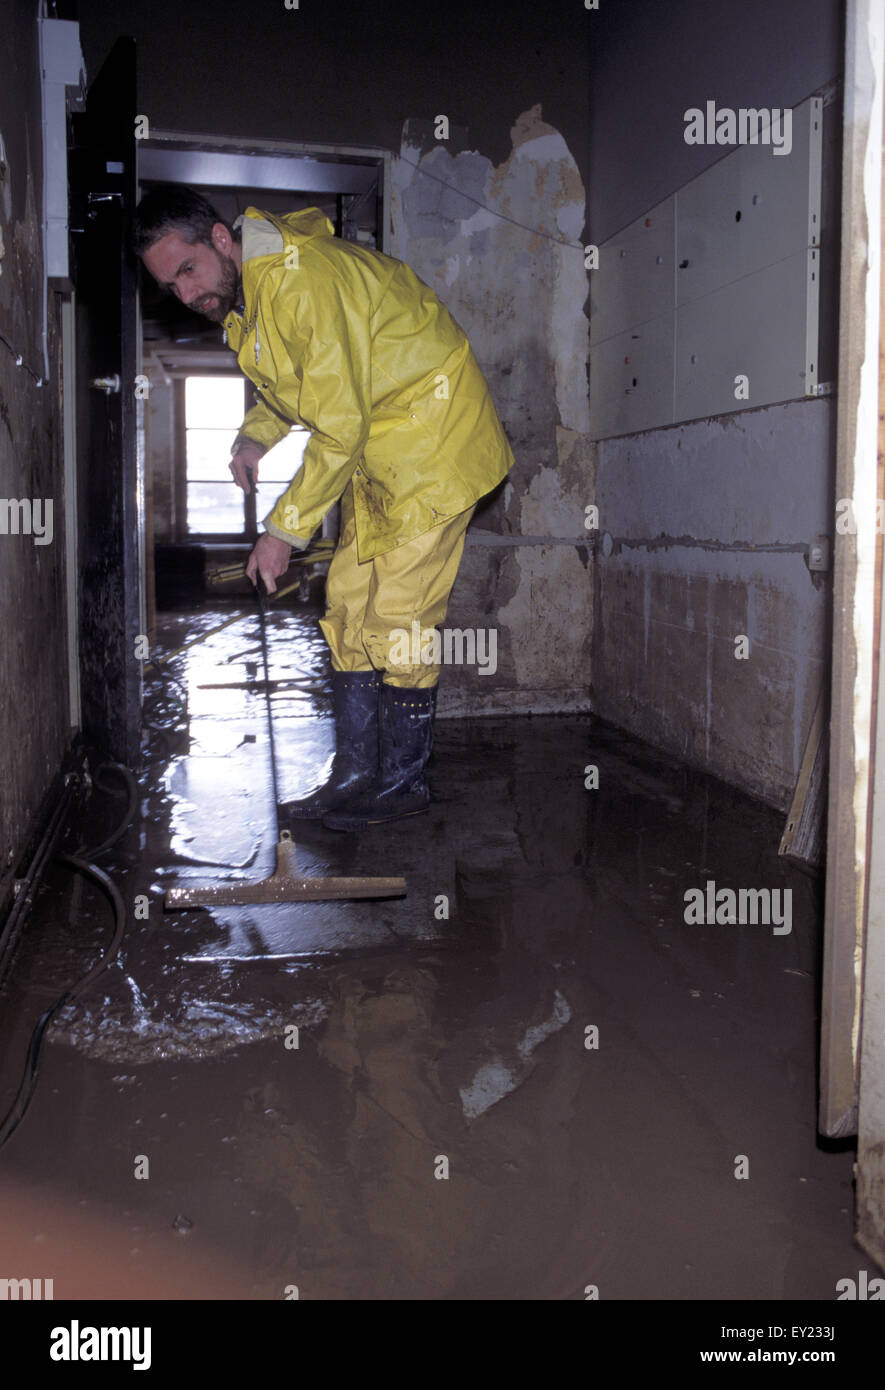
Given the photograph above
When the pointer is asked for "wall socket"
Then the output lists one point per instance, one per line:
(818, 557)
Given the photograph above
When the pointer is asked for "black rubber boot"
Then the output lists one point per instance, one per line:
(355, 767)
(406, 742)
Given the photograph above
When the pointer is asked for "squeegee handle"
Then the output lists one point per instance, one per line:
(272, 751)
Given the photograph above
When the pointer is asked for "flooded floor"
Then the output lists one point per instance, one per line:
(527, 1077)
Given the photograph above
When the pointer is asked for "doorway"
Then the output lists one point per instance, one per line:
(195, 520)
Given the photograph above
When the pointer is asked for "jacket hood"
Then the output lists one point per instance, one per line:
(267, 233)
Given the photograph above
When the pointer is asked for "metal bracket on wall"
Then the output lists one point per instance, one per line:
(830, 93)
(108, 385)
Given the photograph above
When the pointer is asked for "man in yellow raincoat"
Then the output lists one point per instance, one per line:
(349, 344)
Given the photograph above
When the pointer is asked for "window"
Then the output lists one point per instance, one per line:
(214, 407)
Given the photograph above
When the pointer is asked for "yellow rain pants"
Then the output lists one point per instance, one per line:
(371, 607)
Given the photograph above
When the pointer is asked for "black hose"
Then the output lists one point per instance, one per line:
(128, 814)
(16, 1113)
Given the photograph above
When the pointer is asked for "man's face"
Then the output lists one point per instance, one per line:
(201, 276)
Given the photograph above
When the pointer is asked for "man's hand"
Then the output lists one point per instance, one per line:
(244, 463)
(270, 559)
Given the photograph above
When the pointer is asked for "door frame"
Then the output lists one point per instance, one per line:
(259, 150)
(852, 1076)
(871, 1081)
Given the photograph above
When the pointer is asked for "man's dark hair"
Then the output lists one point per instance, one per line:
(170, 207)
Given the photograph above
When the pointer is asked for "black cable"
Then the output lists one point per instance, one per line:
(128, 814)
(29, 883)
(18, 1109)
(20, 361)
(535, 231)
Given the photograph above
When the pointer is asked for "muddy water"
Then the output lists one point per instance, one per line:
(527, 1077)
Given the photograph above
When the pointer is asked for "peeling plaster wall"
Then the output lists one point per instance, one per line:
(501, 245)
(704, 528)
(33, 673)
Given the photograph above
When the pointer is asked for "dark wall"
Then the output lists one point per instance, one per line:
(343, 72)
(650, 61)
(615, 81)
(33, 673)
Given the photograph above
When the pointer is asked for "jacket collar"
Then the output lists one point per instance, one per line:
(260, 237)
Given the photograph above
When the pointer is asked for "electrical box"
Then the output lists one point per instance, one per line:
(63, 89)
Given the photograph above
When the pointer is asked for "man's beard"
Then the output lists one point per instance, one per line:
(225, 294)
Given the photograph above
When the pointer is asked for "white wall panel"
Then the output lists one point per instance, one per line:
(754, 327)
(718, 280)
(631, 379)
(745, 213)
(635, 278)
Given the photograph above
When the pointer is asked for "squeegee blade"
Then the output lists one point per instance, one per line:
(283, 890)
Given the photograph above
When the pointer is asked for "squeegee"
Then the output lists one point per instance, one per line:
(283, 885)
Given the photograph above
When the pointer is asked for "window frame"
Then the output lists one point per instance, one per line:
(248, 534)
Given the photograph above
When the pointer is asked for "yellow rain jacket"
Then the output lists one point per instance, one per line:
(349, 343)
